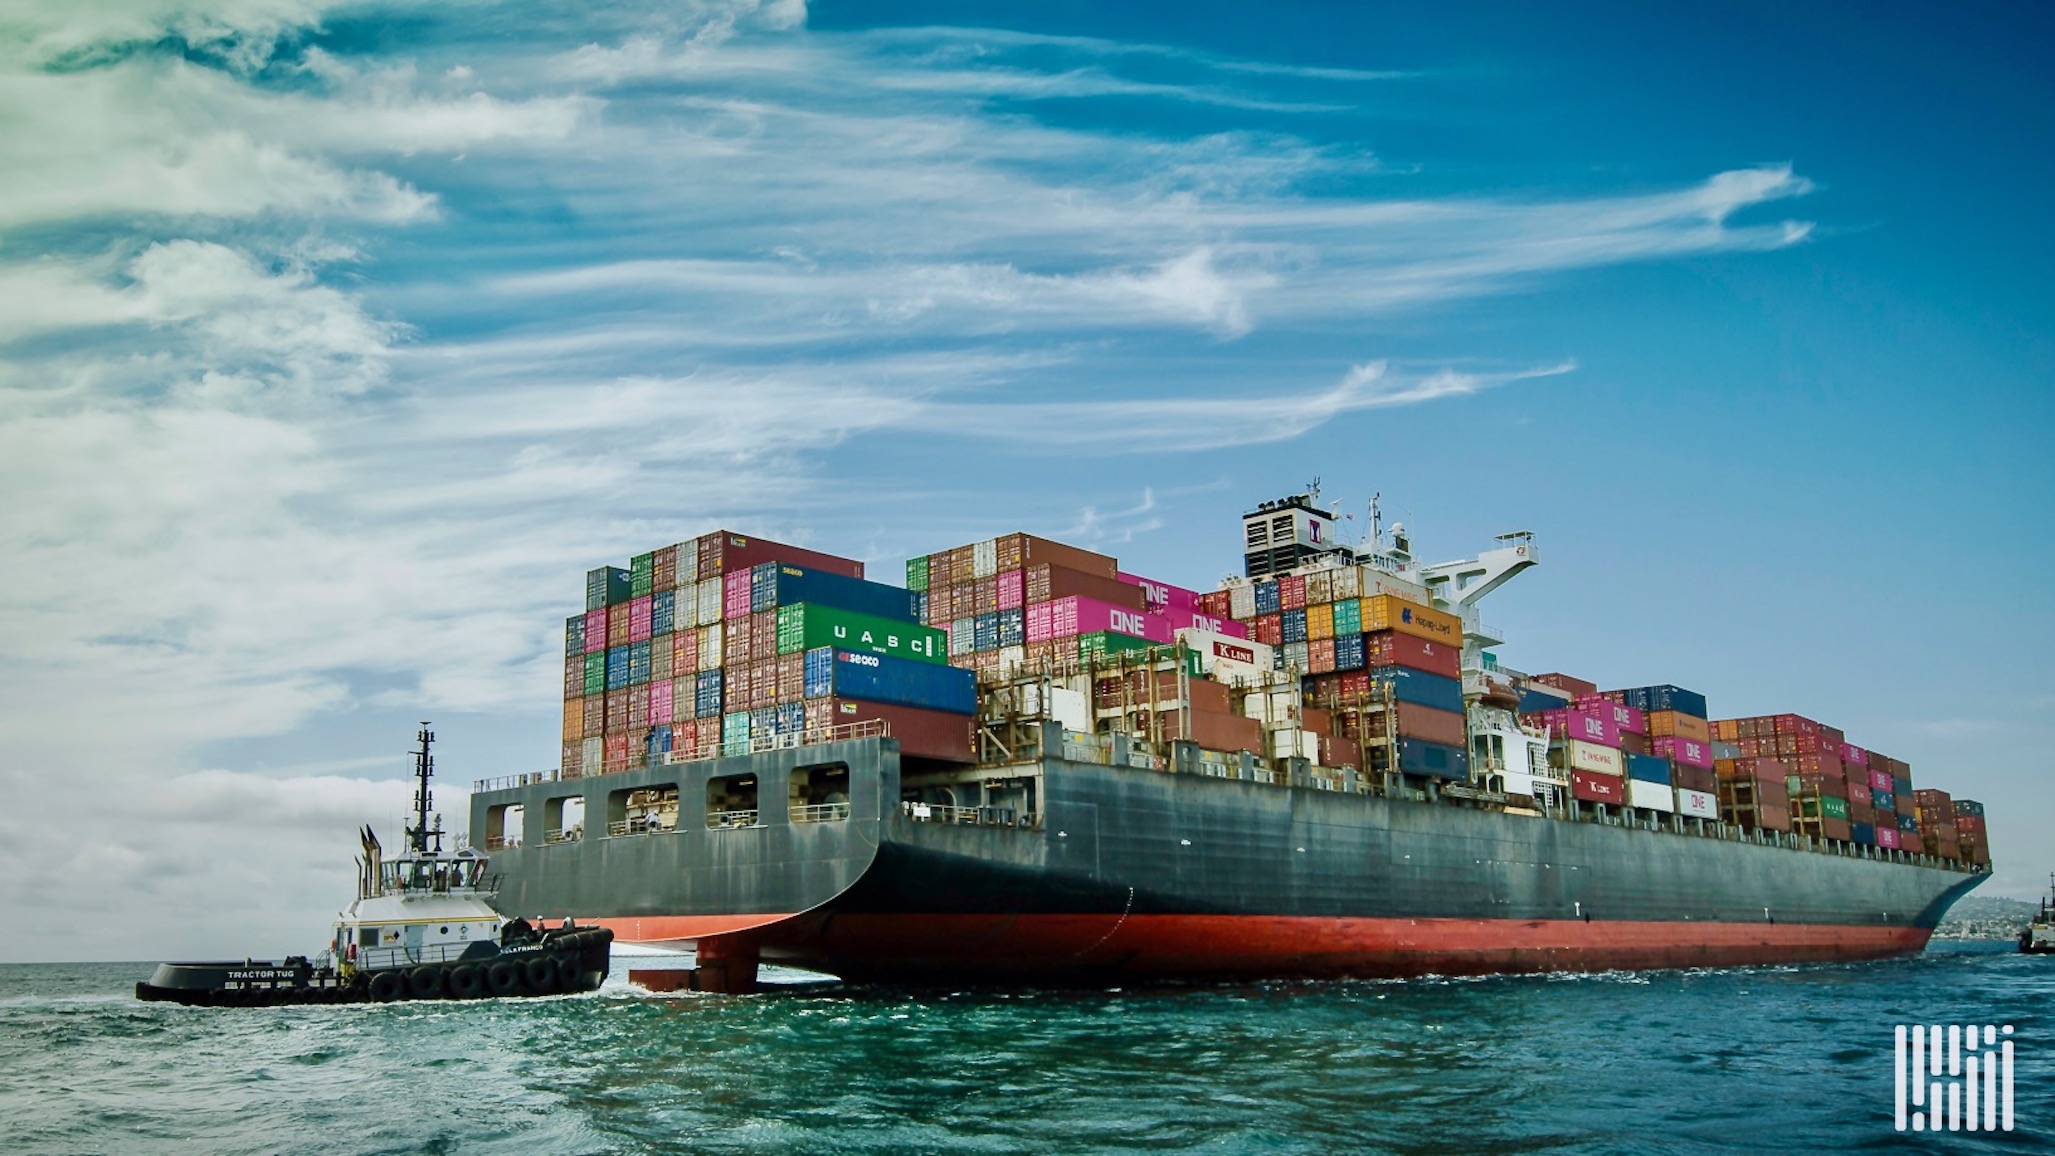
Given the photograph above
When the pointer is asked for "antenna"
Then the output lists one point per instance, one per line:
(1313, 491)
(1376, 522)
(424, 769)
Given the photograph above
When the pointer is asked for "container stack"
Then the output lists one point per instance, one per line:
(1647, 748)
(1934, 811)
(722, 642)
(1838, 790)
(1970, 836)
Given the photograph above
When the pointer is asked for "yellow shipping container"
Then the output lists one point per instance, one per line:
(1668, 723)
(1320, 622)
(574, 719)
(710, 647)
(1389, 612)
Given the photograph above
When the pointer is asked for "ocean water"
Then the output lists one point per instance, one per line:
(1683, 1061)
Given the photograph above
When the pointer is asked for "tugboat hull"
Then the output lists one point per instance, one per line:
(563, 963)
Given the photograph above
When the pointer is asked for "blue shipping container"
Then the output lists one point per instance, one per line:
(706, 695)
(1908, 824)
(1865, 833)
(1295, 626)
(1268, 599)
(820, 672)
(663, 611)
(1648, 769)
(920, 606)
(638, 663)
(791, 718)
(617, 667)
(789, 585)
(1883, 801)
(898, 682)
(1419, 758)
(985, 632)
(1421, 688)
(1536, 701)
(763, 587)
(1012, 627)
(660, 737)
(1968, 807)
(574, 636)
(1667, 697)
(1348, 652)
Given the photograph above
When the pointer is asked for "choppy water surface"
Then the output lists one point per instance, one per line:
(1671, 1061)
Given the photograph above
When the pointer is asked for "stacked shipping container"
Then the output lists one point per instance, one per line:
(716, 642)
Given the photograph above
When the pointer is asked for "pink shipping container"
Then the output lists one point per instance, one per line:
(595, 630)
(1197, 620)
(1690, 752)
(1880, 780)
(735, 595)
(1588, 726)
(1853, 755)
(1887, 837)
(1161, 596)
(1629, 720)
(1067, 617)
(660, 702)
(1012, 590)
(638, 619)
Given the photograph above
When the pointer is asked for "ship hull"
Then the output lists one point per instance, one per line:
(1133, 872)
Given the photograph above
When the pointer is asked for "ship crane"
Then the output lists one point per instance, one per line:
(1459, 586)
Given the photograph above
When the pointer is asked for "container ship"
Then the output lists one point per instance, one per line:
(1027, 765)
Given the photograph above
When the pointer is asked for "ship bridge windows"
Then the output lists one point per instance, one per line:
(650, 810)
(503, 825)
(563, 819)
(819, 794)
(731, 801)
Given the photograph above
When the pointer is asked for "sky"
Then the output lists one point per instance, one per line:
(338, 340)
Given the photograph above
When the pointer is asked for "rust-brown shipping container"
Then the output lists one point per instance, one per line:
(924, 734)
(1046, 582)
(1576, 686)
(1668, 723)
(1025, 551)
(1213, 730)
(1445, 727)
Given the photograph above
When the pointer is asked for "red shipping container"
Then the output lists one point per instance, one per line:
(684, 652)
(735, 643)
(1213, 730)
(1445, 727)
(638, 619)
(1598, 788)
(1335, 752)
(638, 709)
(726, 552)
(1818, 764)
(1319, 657)
(927, 734)
(763, 635)
(1795, 724)
(1695, 778)
(1291, 592)
(1025, 551)
(1391, 648)
(1217, 604)
(616, 753)
(1966, 824)
(1269, 629)
(1856, 792)
(617, 712)
(1577, 687)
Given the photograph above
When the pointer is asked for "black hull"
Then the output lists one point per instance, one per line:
(1145, 873)
(565, 965)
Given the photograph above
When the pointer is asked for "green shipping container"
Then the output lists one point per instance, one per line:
(641, 575)
(596, 672)
(735, 733)
(1833, 807)
(1348, 617)
(804, 626)
(1108, 642)
(917, 573)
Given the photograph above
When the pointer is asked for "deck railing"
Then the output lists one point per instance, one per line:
(820, 812)
(729, 820)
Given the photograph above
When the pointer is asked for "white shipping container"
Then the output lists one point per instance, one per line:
(1272, 708)
(1697, 804)
(1292, 743)
(708, 608)
(595, 754)
(688, 563)
(1228, 658)
(1654, 796)
(962, 637)
(1319, 587)
(1241, 602)
(1011, 659)
(1371, 582)
(1347, 582)
(710, 642)
(1596, 759)
(984, 558)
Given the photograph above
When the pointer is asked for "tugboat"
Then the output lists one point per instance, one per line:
(2038, 937)
(423, 926)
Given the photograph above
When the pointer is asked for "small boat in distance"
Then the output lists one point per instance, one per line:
(423, 926)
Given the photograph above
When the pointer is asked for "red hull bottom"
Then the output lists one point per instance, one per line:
(1248, 946)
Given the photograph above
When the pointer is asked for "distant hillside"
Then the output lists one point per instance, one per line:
(1986, 917)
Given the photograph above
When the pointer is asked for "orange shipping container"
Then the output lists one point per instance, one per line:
(1319, 622)
(1663, 723)
(574, 719)
(1388, 612)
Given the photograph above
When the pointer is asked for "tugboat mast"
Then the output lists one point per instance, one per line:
(424, 769)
